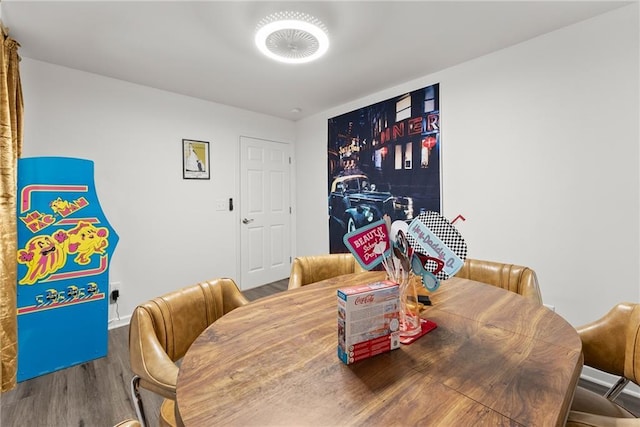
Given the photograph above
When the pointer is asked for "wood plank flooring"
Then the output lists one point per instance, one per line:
(93, 394)
(97, 393)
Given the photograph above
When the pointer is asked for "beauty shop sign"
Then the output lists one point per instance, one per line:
(369, 244)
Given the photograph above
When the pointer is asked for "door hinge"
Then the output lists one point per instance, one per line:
(289, 160)
(289, 210)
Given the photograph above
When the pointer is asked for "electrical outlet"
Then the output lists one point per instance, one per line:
(115, 292)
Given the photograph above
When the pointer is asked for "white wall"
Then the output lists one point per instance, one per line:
(540, 155)
(170, 232)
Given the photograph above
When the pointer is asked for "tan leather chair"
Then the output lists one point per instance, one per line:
(162, 330)
(514, 278)
(311, 269)
(610, 344)
(582, 419)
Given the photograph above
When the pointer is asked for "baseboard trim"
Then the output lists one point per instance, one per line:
(117, 323)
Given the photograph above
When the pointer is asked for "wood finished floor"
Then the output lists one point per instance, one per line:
(97, 393)
(93, 394)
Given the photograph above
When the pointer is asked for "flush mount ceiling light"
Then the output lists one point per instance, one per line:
(292, 37)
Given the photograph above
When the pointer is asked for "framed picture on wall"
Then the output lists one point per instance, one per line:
(195, 159)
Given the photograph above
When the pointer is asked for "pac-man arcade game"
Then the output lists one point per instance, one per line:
(65, 244)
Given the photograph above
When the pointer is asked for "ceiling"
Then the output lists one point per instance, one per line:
(205, 49)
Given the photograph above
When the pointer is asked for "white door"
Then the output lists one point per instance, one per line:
(265, 212)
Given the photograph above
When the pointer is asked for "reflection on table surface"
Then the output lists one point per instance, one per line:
(494, 359)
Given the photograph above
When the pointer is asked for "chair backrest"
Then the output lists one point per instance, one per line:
(612, 343)
(311, 269)
(162, 329)
(514, 278)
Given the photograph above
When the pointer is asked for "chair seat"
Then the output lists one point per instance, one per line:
(168, 413)
(582, 419)
(592, 403)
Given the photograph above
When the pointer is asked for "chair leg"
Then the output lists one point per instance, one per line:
(137, 401)
(615, 389)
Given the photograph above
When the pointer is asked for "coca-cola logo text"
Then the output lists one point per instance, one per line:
(364, 300)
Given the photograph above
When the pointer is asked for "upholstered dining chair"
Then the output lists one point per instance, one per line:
(514, 278)
(162, 330)
(610, 344)
(311, 269)
(582, 419)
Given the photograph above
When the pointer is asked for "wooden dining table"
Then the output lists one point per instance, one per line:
(495, 358)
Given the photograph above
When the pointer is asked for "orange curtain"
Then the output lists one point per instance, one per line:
(11, 109)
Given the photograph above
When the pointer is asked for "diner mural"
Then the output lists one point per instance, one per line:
(384, 159)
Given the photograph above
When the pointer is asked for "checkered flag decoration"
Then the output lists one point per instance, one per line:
(432, 234)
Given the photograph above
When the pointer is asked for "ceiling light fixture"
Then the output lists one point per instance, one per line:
(292, 37)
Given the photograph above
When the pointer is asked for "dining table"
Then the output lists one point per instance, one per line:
(495, 358)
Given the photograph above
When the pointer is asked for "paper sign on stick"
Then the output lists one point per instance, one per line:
(432, 234)
(369, 244)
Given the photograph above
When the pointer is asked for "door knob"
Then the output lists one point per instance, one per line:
(247, 221)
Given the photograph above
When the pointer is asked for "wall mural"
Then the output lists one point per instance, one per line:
(384, 159)
(64, 248)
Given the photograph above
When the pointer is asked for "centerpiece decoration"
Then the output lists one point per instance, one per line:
(423, 252)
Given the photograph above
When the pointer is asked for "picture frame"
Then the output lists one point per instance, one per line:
(195, 159)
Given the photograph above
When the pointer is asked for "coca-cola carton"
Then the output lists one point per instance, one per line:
(368, 320)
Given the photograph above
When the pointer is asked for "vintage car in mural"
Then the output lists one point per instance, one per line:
(354, 202)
